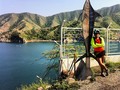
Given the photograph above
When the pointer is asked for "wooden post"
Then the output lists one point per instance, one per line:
(88, 69)
(87, 62)
(75, 58)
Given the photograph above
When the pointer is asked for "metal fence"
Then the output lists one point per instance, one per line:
(113, 41)
(72, 41)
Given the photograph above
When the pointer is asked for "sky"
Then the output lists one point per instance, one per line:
(49, 7)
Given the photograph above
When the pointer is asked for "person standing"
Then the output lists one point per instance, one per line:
(98, 44)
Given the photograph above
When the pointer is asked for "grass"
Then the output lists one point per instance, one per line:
(57, 85)
(113, 66)
(34, 86)
(63, 85)
(110, 65)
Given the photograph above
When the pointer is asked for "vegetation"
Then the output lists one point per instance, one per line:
(53, 56)
(56, 85)
(36, 27)
(112, 66)
(63, 85)
(34, 86)
(41, 34)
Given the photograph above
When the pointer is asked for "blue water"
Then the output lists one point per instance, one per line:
(20, 63)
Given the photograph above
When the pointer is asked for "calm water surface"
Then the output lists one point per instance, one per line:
(20, 63)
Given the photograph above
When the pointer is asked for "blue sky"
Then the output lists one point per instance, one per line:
(49, 7)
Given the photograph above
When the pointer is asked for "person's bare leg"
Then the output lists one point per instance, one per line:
(103, 66)
(103, 59)
(98, 60)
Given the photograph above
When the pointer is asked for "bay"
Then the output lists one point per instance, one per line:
(21, 63)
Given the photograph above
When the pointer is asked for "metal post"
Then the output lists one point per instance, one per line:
(60, 62)
(108, 28)
(107, 43)
(60, 52)
(62, 34)
(61, 38)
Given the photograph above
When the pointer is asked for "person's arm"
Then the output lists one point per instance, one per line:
(93, 43)
(101, 44)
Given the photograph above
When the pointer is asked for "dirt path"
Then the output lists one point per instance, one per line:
(111, 82)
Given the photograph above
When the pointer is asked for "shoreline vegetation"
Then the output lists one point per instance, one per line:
(111, 82)
(29, 41)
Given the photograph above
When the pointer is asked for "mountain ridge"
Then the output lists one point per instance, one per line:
(25, 24)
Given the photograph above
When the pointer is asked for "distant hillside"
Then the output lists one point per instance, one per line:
(108, 11)
(28, 26)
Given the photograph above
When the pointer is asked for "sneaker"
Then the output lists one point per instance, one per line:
(107, 72)
(102, 74)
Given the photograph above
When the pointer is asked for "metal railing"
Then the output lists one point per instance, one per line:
(72, 41)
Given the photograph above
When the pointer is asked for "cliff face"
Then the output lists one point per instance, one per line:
(32, 26)
(5, 38)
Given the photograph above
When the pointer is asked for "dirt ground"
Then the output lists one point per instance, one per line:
(111, 82)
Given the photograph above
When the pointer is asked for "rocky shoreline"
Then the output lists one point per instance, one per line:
(8, 38)
(25, 41)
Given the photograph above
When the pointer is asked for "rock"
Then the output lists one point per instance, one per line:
(40, 88)
(48, 86)
(70, 80)
(111, 82)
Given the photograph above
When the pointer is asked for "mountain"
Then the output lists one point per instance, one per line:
(21, 21)
(27, 26)
(108, 11)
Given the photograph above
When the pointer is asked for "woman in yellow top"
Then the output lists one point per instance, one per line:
(98, 44)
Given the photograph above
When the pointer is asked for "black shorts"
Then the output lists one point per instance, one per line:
(99, 54)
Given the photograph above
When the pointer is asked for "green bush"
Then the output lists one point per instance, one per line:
(34, 86)
(112, 66)
(63, 85)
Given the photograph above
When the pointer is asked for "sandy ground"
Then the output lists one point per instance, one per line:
(111, 82)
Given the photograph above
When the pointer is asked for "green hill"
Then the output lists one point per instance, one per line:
(28, 26)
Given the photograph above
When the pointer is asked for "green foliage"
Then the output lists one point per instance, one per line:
(39, 24)
(74, 48)
(63, 85)
(15, 33)
(106, 22)
(34, 86)
(73, 23)
(116, 17)
(33, 34)
(60, 86)
(92, 79)
(42, 34)
(53, 33)
(112, 66)
(53, 56)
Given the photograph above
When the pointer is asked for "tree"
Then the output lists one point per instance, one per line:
(53, 56)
